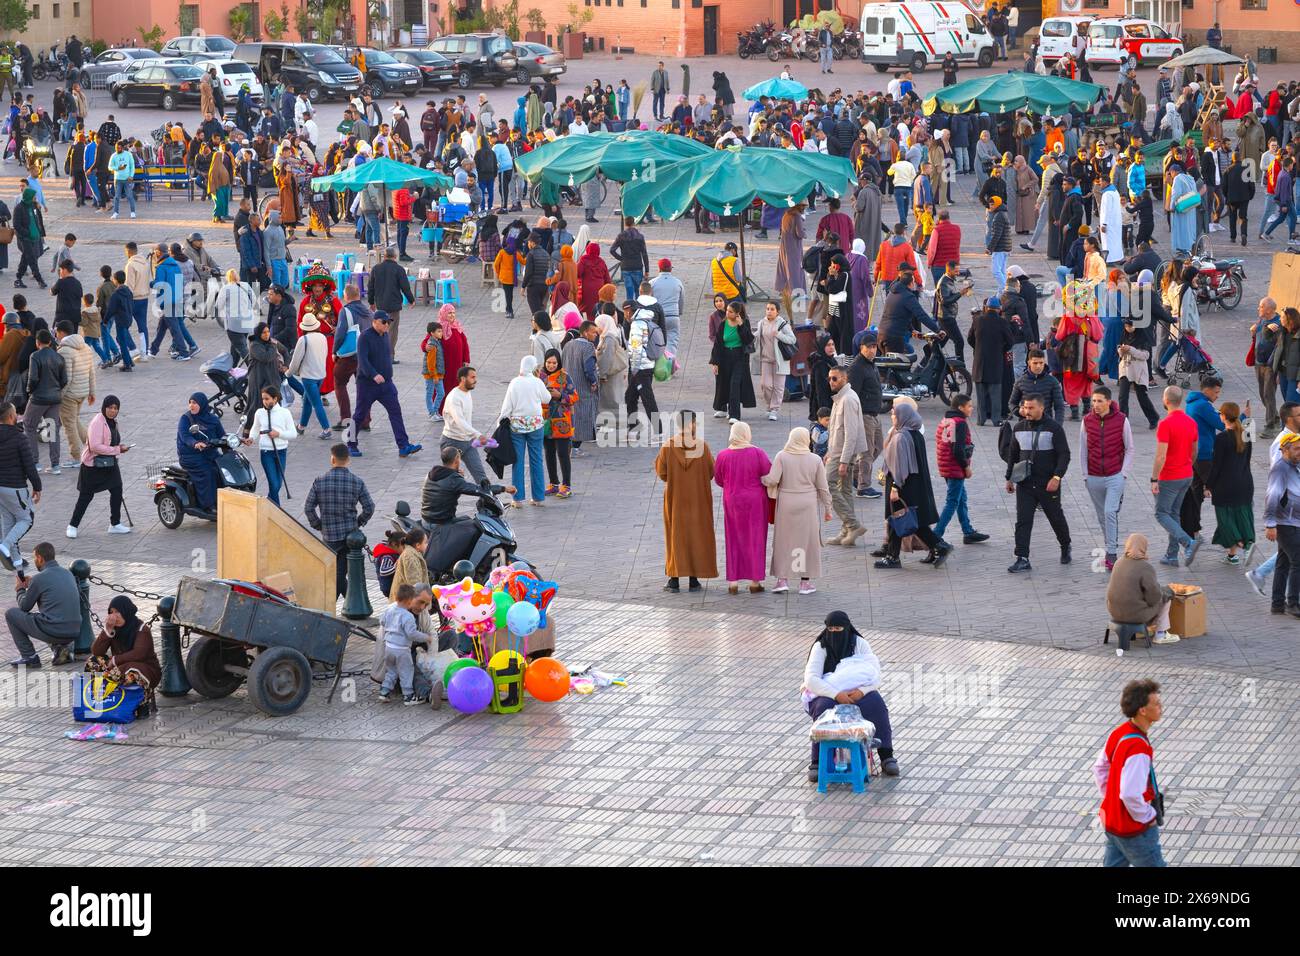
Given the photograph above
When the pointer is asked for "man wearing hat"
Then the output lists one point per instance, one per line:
(669, 292)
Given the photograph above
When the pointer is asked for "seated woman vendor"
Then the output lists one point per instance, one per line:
(124, 652)
(843, 670)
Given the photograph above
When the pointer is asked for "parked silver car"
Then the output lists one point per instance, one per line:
(537, 60)
(95, 74)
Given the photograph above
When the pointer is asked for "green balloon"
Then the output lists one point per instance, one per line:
(457, 665)
(503, 602)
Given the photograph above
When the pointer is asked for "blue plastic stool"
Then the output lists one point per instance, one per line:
(347, 257)
(447, 290)
(855, 775)
(299, 273)
(341, 279)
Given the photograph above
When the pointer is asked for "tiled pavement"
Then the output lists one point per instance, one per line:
(670, 769)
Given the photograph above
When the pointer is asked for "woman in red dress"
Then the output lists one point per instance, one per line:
(455, 348)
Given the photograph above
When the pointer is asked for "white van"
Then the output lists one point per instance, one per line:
(1058, 36)
(912, 35)
(233, 75)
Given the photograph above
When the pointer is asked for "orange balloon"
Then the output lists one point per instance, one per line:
(546, 679)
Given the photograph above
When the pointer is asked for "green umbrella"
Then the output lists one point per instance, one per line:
(1016, 90)
(727, 181)
(622, 157)
(384, 172)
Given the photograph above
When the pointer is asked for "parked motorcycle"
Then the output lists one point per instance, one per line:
(485, 540)
(1222, 282)
(46, 67)
(174, 492)
(935, 374)
(754, 43)
(847, 45)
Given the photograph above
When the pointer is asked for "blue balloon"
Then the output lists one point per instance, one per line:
(470, 690)
(522, 618)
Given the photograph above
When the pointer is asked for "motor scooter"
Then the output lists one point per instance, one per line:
(174, 492)
(484, 539)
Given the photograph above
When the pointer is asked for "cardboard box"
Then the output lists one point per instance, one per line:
(1187, 615)
(281, 581)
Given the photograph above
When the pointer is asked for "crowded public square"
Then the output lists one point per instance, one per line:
(959, 429)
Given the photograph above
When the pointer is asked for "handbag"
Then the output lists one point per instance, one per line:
(1022, 469)
(903, 521)
(1250, 354)
(1187, 201)
(787, 349)
(103, 461)
(6, 235)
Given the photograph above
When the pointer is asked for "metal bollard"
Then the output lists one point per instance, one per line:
(86, 636)
(174, 681)
(356, 603)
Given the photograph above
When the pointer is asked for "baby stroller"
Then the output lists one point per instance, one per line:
(230, 389)
(1191, 361)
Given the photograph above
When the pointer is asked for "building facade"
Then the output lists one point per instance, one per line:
(54, 23)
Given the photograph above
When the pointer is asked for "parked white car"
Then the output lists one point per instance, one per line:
(233, 75)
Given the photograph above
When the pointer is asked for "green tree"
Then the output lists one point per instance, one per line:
(151, 38)
(14, 15)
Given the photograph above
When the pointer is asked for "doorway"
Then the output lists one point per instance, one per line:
(710, 31)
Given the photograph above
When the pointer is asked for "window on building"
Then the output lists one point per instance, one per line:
(697, 3)
(620, 2)
(36, 11)
(55, 12)
(1187, 4)
(1096, 4)
(1254, 4)
(643, 3)
(76, 9)
(677, 4)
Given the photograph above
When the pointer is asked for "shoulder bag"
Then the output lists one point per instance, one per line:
(787, 349)
(1023, 468)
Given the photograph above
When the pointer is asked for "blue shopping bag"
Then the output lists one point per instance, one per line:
(96, 698)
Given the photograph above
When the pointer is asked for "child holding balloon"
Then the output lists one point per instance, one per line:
(400, 631)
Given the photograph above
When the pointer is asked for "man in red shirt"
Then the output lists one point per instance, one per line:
(1132, 807)
(1171, 475)
(403, 200)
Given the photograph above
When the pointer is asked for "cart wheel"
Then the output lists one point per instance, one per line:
(205, 666)
(279, 681)
(170, 512)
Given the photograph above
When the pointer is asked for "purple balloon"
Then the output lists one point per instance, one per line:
(470, 690)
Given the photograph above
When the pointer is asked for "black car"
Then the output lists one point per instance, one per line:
(162, 85)
(387, 74)
(438, 71)
(481, 56)
(315, 69)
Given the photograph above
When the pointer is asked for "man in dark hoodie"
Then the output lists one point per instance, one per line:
(864, 378)
(17, 471)
(119, 314)
(1037, 458)
(47, 376)
(903, 313)
(633, 259)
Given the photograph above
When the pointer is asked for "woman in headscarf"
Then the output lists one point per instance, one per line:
(99, 468)
(579, 356)
(1024, 185)
(842, 669)
(733, 387)
(266, 362)
(558, 440)
(685, 466)
(1182, 223)
(611, 363)
(124, 653)
(524, 405)
(566, 271)
(1134, 595)
(1171, 124)
(860, 285)
(986, 157)
(1136, 343)
(592, 274)
(739, 472)
(455, 346)
(797, 480)
(836, 286)
(195, 451)
(907, 487)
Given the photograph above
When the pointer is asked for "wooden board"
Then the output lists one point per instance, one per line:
(256, 540)
(1284, 284)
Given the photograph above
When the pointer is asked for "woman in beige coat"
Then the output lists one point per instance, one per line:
(611, 364)
(1025, 183)
(803, 501)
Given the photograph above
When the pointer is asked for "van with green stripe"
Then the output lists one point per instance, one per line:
(913, 35)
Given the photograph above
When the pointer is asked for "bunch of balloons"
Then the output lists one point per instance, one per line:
(514, 600)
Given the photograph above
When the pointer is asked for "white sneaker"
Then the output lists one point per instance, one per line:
(120, 529)
(54, 470)
(1169, 637)
(1256, 581)
(114, 216)
(772, 416)
(132, 215)
(719, 414)
(1119, 652)
(732, 421)
(72, 531)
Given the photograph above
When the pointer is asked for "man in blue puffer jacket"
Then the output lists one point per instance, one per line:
(1200, 408)
(168, 293)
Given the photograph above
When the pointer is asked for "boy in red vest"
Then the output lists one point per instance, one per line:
(952, 451)
(1132, 807)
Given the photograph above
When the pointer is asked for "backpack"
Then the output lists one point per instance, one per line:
(1008, 451)
(812, 259)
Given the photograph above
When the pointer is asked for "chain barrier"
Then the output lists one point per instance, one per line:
(122, 589)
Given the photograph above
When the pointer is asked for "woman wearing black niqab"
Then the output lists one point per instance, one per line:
(842, 669)
(124, 652)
